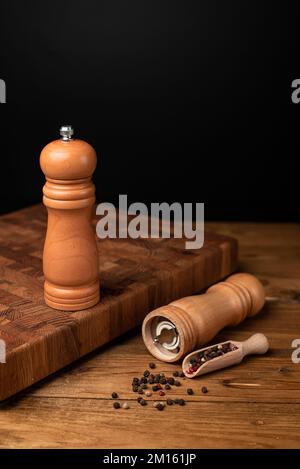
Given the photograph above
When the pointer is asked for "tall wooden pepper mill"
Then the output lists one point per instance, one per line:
(172, 331)
(70, 259)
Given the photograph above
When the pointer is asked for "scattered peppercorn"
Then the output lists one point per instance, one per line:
(161, 383)
(116, 405)
(283, 369)
(204, 389)
(114, 395)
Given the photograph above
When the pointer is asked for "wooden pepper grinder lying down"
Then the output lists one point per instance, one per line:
(172, 331)
(70, 259)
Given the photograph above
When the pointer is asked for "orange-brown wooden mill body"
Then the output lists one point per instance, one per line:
(195, 320)
(70, 259)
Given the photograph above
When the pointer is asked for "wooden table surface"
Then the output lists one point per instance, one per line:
(73, 408)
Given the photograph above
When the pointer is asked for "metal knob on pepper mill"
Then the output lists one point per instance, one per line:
(172, 331)
(70, 258)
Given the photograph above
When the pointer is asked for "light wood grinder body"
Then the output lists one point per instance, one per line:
(70, 258)
(172, 331)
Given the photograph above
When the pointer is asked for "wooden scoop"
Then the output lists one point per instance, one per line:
(256, 344)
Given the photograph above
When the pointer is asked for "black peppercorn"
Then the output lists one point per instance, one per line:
(204, 389)
(170, 402)
(190, 391)
(152, 365)
(177, 383)
(181, 402)
(170, 381)
(114, 395)
(116, 405)
(146, 373)
(175, 374)
(160, 406)
(168, 387)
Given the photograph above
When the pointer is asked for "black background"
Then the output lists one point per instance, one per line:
(185, 101)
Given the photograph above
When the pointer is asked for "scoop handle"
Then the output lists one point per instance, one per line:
(256, 344)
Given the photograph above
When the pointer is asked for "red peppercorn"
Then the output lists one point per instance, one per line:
(161, 393)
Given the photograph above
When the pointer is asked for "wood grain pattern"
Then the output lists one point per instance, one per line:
(73, 408)
(136, 276)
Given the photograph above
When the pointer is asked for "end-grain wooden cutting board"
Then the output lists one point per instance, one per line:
(136, 276)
